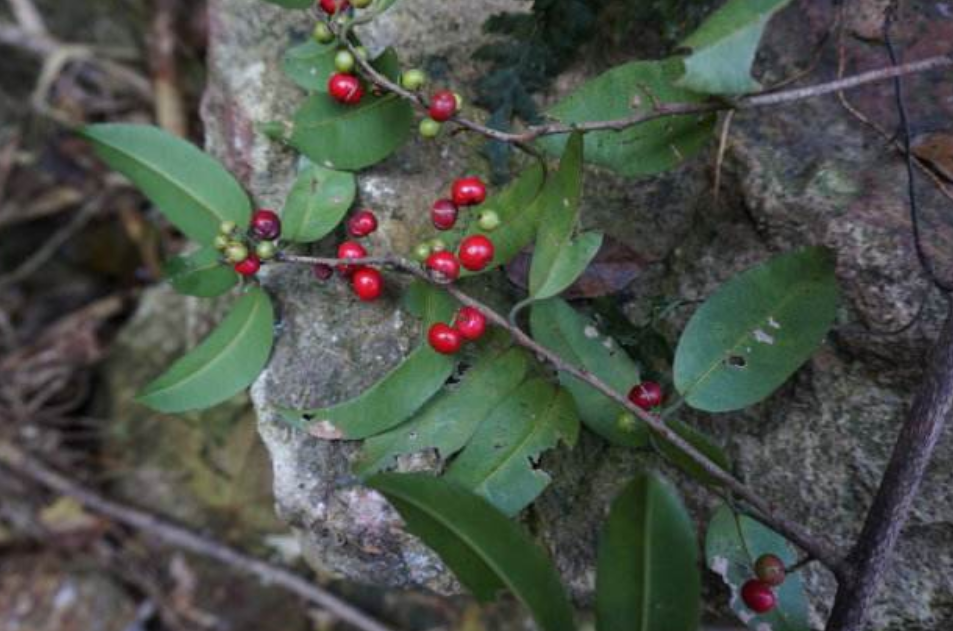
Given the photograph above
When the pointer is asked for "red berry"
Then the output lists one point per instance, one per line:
(770, 570)
(345, 88)
(758, 596)
(331, 6)
(470, 322)
(646, 395)
(476, 252)
(248, 267)
(444, 338)
(362, 224)
(266, 225)
(443, 105)
(444, 263)
(368, 283)
(350, 250)
(322, 272)
(469, 191)
(443, 213)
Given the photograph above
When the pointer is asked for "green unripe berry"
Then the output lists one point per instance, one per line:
(459, 99)
(266, 250)
(236, 252)
(488, 220)
(227, 227)
(361, 52)
(221, 242)
(344, 61)
(322, 33)
(413, 79)
(437, 244)
(626, 422)
(422, 252)
(429, 128)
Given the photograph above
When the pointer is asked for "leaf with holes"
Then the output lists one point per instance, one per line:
(756, 330)
(647, 577)
(192, 189)
(317, 203)
(732, 545)
(448, 422)
(700, 441)
(224, 364)
(724, 46)
(486, 551)
(200, 274)
(561, 329)
(499, 461)
(401, 392)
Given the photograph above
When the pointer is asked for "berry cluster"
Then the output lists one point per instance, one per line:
(247, 250)
(468, 326)
(758, 593)
(367, 282)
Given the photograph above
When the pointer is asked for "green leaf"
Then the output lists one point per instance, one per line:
(400, 393)
(732, 545)
(648, 577)
(498, 463)
(485, 550)
(317, 203)
(449, 421)
(192, 189)
(351, 137)
(558, 327)
(310, 64)
(224, 364)
(643, 149)
(756, 330)
(572, 259)
(292, 4)
(201, 274)
(700, 441)
(724, 46)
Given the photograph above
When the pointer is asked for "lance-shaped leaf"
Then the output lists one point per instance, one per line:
(316, 203)
(449, 420)
(558, 327)
(401, 392)
(756, 330)
(700, 441)
(200, 274)
(224, 364)
(310, 64)
(192, 189)
(499, 462)
(628, 90)
(724, 46)
(732, 545)
(648, 577)
(485, 550)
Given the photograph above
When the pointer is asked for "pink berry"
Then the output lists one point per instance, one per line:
(266, 225)
(345, 88)
(367, 283)
(443, 105)
(248, 267)
(331, 6)
(362, 224)
(469, 191)
(758, 596)
(476, 252)
(646, 395)
(443, 213)
(350, 250)
(444, 338)
(445, 264)
(470, 322)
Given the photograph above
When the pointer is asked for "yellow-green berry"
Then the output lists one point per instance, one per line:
(429, 128)
(221, 242)
(322, 33)
(236, 252)
(437, 245)
(266, 250)
(421, 252)
(344, 61)
(459, 99)
(227, 227)
(413, 79)
(488, 220)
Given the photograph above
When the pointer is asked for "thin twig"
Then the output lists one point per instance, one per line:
(177, 536)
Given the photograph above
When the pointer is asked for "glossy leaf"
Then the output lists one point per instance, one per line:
(192, 189)
(200, 274)
(351, 137)
(499, 461)
(224, 364)
(448, 422)
(732, 545)
(400, 393)
(724, 46)
(648, 577)
(700, 441)
(485, 550)
(643, 149)
(316, 203)
(310, 64)
(561, 329)
(756, 330)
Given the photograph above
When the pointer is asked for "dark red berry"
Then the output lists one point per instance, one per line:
(445, 264)
(362, 224)
(345, 88)
(322, 272)
(469, 191)
(350, 250)
(368, 283)
(646, 395)
(476, 252)
(331, 6)
(444, 338)
(443, 213)
(248, 267)
(266, 225)
(471, 323)
(443, 105)
(758, 596)
(770, 570)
